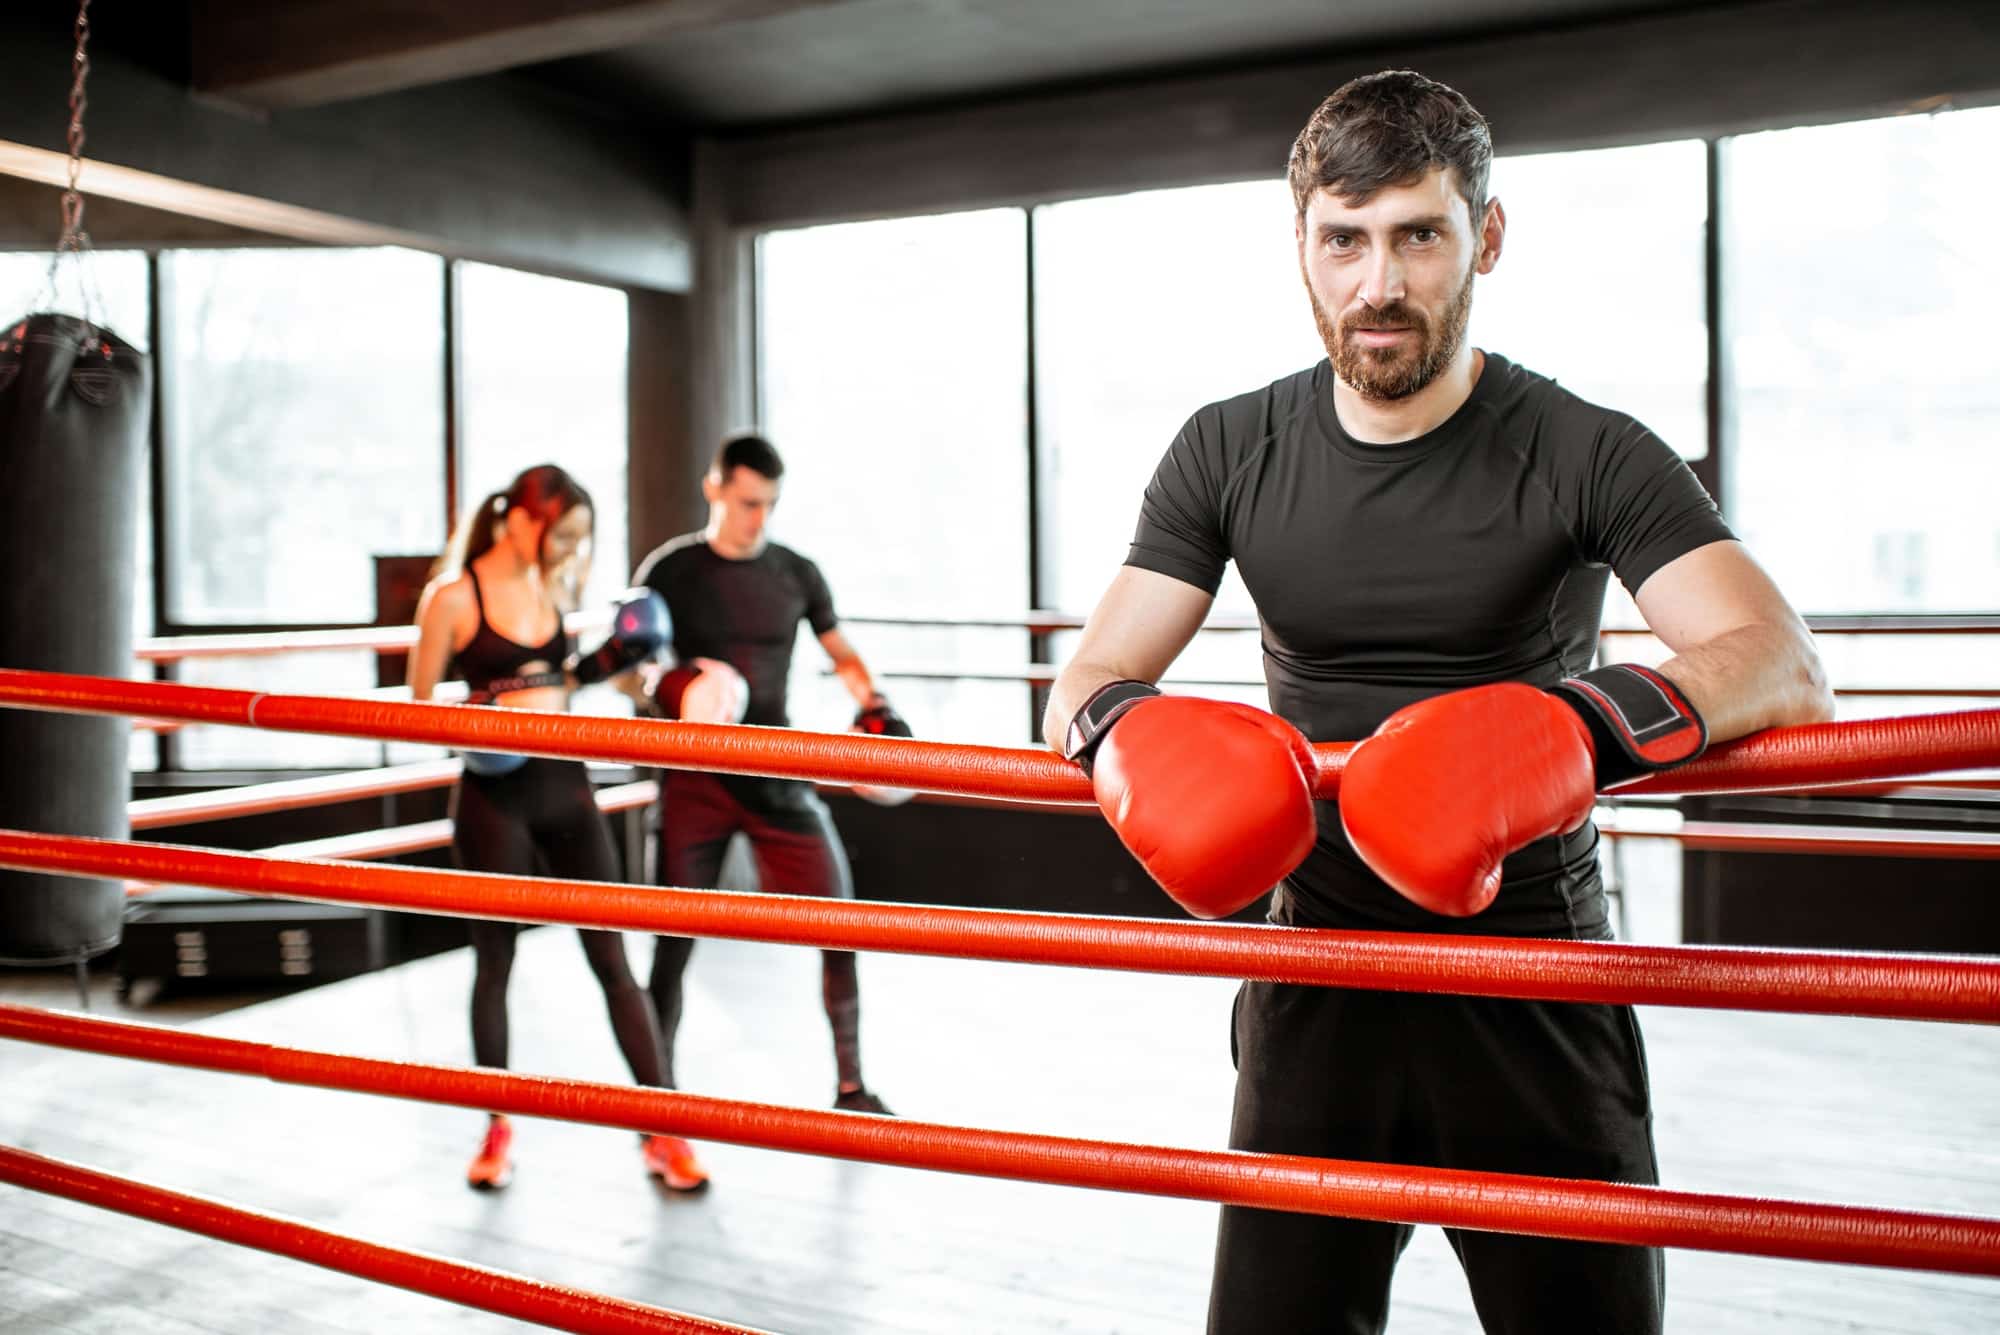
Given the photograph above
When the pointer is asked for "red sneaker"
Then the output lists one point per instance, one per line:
(494, 1168)
(672, 1160)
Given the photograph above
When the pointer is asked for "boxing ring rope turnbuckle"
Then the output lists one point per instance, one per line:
(554, 1305)
(1548, 1207)
(1785, 758)
(1892, 986)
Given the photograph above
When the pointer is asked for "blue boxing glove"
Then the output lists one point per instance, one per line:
(640, 628)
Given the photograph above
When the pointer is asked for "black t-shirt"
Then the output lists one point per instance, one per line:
(745, 613)
(1383, 574)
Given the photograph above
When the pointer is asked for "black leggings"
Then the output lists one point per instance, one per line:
(542, 819)
(798, 853)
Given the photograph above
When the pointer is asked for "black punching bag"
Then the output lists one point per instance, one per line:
(75, 402)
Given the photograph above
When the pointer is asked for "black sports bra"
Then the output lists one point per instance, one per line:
(491, 663)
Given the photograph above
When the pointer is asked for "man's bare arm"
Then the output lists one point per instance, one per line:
(1140, 626)
(1742, 656)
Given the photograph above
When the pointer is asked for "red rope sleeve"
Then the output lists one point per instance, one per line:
(1549, 1207)
(554, 1305)
(1902, 986)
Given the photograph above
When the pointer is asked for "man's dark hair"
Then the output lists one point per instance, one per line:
(1390, 129)
(748, 451)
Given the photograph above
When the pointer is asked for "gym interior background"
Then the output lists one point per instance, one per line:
(971, 265)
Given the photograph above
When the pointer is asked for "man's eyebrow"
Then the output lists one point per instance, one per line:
(1436, 222)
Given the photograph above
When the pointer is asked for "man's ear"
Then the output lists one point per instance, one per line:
(1492, 233)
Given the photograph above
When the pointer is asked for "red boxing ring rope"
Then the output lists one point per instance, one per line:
(1787, 758)
(1503, 1202)
(554, 1305)
(1898, 986)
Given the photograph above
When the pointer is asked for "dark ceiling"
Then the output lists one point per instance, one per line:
(849, 57)
(717, 66)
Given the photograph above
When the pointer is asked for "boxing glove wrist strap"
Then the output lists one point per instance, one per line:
(1639, 721)
(1106, 705)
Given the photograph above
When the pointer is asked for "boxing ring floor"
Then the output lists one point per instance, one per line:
(1864, 1111)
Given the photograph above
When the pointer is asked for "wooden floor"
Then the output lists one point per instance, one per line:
(1865, 1111)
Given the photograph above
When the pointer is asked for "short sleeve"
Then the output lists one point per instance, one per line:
(1180, 531)
(1646, 507)
(819, 598)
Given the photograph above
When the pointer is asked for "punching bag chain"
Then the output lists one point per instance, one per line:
(73, 236)
(75, 242)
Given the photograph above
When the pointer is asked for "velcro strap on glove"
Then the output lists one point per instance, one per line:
(1639, 720)
(1106, 705)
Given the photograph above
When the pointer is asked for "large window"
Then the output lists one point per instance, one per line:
(1148, 306)
(894, 382)
(304, 417)
(1599, 282)
(1861, 381)
(543, 374)
(305, 434)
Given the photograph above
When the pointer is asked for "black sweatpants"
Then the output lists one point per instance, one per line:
(1551, 1088)
(798, 852)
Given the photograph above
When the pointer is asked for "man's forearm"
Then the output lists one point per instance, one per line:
(1752, 678)
(860, 683)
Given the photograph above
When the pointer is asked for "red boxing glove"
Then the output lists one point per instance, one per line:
(1449, 786)
(1213, 798)
(705, 690)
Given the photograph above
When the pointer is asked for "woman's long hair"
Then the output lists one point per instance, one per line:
(545, 491)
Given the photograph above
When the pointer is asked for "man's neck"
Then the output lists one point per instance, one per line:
(1393, 421)
(728, 551)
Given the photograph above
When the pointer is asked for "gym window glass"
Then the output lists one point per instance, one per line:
(1860, 282)
(304, 411)
(543, 367)
(109, 286)
(304, 416)
(893, 377)
(1607, 238)
(1148, 306)
(1610, 239)
(1859, 286)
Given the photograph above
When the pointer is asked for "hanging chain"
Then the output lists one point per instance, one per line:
(73, 235)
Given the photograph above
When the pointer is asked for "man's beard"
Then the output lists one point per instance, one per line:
(1400, 370)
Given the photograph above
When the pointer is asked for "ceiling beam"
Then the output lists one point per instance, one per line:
(300, 53)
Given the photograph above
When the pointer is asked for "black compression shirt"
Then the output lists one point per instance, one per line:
(745, 613)
(1383, 574)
